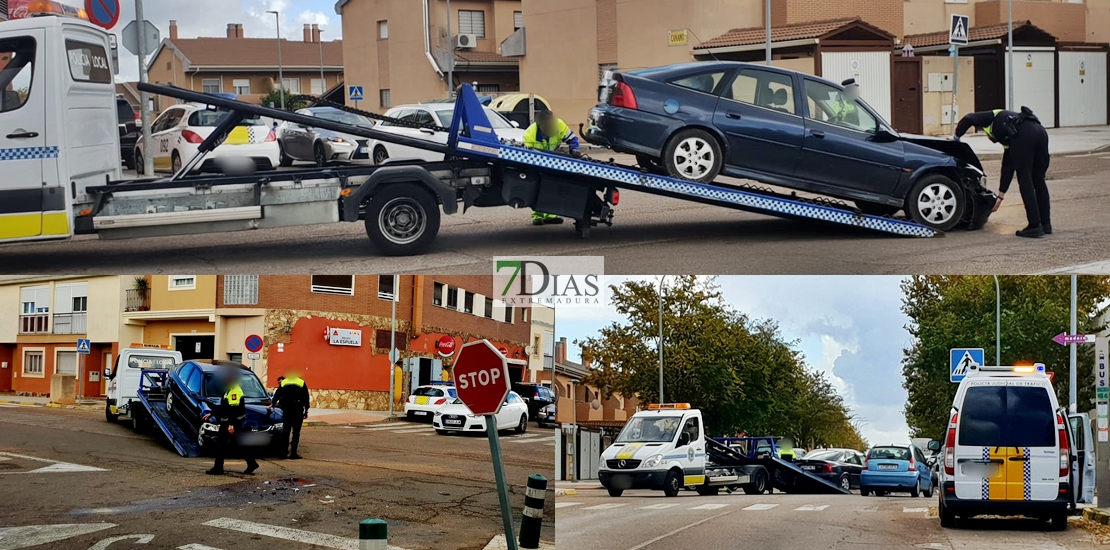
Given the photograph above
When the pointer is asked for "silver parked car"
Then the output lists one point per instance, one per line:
(301, 143)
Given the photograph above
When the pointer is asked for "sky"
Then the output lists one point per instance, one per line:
(850, 328)
(211, 17)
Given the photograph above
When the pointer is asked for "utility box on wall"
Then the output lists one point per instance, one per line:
(938, 78)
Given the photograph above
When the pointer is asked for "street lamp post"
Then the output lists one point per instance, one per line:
(281, 70)
(1072, 359)
(997, 323)
(451, 57)
(1010, 56)
(661, 280)
(767, 46)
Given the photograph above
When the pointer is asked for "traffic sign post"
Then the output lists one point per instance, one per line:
(103, 13)
(1102, 402)
(355, 93)
(133, 33)
(84, 347)
(957, 36)
(482, 382)
(253, 343)
(962, 359)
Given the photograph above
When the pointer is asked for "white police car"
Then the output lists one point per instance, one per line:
(426, 400)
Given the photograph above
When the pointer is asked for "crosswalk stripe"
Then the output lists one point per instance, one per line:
(811, 508)
(566, 504)
(517, 440)
(915, 510)
(709, 506)
(287, 533)
(412, 430)
(757, 507)
(526, 436)
(196, 547)
(663, 506)
(383, 428)
(605, 506)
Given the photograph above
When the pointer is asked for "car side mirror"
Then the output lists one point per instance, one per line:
(514, 123)
(934, 445)
(883, 135)
(108, 372)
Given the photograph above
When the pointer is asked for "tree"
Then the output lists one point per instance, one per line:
(273, 97)
(739, 372)
(959, 312)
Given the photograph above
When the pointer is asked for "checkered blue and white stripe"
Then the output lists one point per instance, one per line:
(747, 199)
(986, 481)
(28, 153)
(1027, 475)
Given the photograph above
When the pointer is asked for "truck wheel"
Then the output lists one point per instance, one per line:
(615, 492)
(136, 419)
(693, 154)
(864, 491)
(108, 414)
(402, 219)
(947, 517)
(1058, 521)
(709, 491)
(758, 484)
(937, 202)
(671, 484)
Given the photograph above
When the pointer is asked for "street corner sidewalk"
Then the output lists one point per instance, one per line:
(499, 543)
(1097, 515)
(24, 401)
(571, 488)
(340, 417)
(1061, 141)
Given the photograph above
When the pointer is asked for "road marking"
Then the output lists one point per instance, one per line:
(663, 506)
(27, 536)
(709, 506)
(915, 510)
(383, 428)
(519, 440)
(197, 547)
(525, 436)
(811, 508)
(104, 544)
(679, 530)
(605, 506)
(55, 466)
(565, 504)
(411, 430)
(758, 507)
(286, 533)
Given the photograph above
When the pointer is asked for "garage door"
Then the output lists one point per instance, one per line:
(870, 69)
(1035, 83)
(1082, 88)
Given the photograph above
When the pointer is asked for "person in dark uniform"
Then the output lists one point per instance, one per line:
(1026, 152)
(230, 415)
(292, 398)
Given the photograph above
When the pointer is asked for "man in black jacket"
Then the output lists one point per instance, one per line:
(1026, 152)
(292, 398)
(230, 415)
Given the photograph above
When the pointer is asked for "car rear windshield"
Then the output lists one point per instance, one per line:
(428, 392)
(889, 453)
(831, 456)
(1007, 416)
(124, 111)
(497, 121)
(210, 118)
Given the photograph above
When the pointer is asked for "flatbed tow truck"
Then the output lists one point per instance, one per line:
(54, 193)
(151, 411)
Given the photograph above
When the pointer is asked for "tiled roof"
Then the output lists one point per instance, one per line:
(757, 35)
(484, 57)
(975, 34)
(257, 52)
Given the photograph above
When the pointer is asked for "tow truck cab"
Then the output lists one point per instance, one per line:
(125, 377)
(58, 129)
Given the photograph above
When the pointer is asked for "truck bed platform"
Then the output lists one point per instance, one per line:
(785, 476)
(152, 395)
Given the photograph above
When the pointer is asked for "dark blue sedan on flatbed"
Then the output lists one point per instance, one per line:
(786, 128)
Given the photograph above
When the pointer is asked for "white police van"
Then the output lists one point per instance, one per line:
(125, 377)
(1011, 450)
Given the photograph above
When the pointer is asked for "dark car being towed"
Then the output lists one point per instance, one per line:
(194, 390)
(785, 128)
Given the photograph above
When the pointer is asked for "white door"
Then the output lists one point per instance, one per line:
(1083, 89)
(1083, 470)
(871, 71)
(1035, 84)
(23, 147)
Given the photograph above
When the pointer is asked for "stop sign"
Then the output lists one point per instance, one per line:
(481, 377)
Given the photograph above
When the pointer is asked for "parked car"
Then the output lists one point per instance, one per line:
(840, 466)
(426, 400)
(783, 127)
(896, 469)
(537, 397)
(546, 418)
(128, 132)
(518, 107)
(194, 390)
(439, 114)
(456, 417)
(178, 132)
(302, 143)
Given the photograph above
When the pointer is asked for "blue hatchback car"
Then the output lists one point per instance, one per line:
(790, 129)
(896, 469)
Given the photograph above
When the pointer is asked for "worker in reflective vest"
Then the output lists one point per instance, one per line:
(549, 133)
(230, 415)
(845, 111)
(1025, 143)
(292, 398)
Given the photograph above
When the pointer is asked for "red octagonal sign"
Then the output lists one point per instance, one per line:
(481, 377)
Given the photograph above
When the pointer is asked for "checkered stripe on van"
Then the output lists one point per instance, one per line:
(986, 481)
(1027, 476)
(28, 153)
(737, 197)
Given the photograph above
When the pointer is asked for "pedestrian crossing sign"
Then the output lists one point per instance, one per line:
(355, 93)
(84, 346)
(958, 30)
(961, 360)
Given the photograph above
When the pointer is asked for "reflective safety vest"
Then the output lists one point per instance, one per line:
(534, 138)
(843, 109)
(988, 130)
(234, 396)
(294, 381)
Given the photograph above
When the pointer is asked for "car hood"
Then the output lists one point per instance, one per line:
(455, 409)
(957, 149)
(328, 133)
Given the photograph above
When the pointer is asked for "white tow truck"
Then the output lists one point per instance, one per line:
(126, 376)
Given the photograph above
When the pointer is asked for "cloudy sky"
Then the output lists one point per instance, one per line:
(848, 327)
(211, 17)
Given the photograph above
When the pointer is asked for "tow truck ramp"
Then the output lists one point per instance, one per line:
(153, 394)
(785, 476)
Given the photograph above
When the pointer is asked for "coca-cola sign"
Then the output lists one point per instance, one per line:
(446, 346)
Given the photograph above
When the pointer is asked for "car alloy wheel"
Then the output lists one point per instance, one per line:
(321, 155)
(845, 482)
(937, 203)
(380, 155)
(402, 220)
(694, 157)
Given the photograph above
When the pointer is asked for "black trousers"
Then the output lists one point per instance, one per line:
(293, 420)
(1029, 155)
(223, 443)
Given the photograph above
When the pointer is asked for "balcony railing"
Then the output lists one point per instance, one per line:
(70, 323)
(138, 300)
(37, 323)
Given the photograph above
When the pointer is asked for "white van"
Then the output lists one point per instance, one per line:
(1010, 449)
(125, 377)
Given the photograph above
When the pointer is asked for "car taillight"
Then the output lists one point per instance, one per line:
(191, 136)
(272, 136)
(912, 463)
(440, 401)
(1065, 447)
(412, 399)
(950, 447)
(865, 459)
(828, 468)
(623, 96)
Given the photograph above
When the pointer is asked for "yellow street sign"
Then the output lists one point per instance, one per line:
(677, 38)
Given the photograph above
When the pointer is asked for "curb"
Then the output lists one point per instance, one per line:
(566, 492)
(55, 406)
(998, 156)
(1097, 515)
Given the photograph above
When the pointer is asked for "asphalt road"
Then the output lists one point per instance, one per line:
(97, 481)
(645, 520)
(693, 238)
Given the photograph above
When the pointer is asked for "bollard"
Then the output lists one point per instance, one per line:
(372, 535)
(534, 503)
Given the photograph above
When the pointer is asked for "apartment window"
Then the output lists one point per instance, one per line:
(386, 99)
(472, 22)
(508, 314)
(452, 297)
(240, 290)
(387, 287)
(318, 86)
(489, 308)
(343, 285)
(71, 306)
(291, 85)
(210, 85)
(32, 363)
(34, 316)
(468, 302)
(242, 86)
(67, 363)
(518, 20)
(437, 294)
(183, 282)
(383, 30)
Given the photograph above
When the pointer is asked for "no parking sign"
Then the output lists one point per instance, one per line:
(103, 13)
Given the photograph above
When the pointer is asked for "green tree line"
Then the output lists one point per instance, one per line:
(740, 372)
(959, 312)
